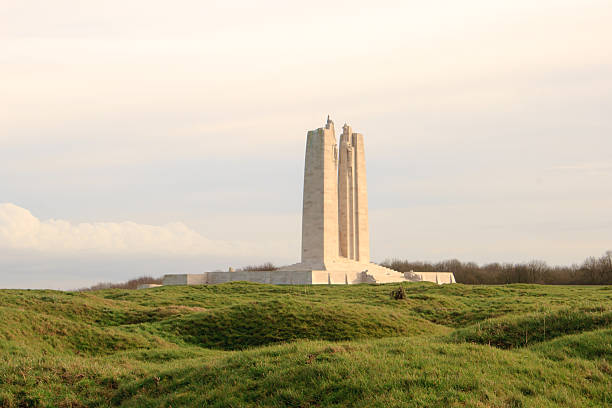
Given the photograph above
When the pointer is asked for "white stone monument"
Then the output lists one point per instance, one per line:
(335, 233)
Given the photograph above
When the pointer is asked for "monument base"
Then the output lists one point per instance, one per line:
(336, 272)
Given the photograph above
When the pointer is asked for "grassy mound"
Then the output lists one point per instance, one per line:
(88, 307)
(595, 345)
(395, 372)
(60, 335)
(274, 321)
(522, 330)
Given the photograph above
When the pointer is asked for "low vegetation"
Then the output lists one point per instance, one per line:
(244, 344)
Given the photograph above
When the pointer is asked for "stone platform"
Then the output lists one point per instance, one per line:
(341, 272)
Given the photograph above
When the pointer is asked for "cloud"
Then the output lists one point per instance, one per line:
(20, 230)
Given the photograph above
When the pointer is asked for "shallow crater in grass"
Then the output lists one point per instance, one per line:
(56, 334)
(523, 330)
(592, 345)
(164, 355)
(261, 323)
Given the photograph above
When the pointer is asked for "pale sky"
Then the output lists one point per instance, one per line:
(151, 137)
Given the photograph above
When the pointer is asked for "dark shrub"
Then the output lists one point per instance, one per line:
(399, 293)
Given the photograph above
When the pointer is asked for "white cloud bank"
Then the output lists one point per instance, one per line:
(20, 230)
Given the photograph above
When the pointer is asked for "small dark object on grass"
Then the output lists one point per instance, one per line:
(398, 293)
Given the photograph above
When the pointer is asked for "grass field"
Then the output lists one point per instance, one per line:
(242, 344)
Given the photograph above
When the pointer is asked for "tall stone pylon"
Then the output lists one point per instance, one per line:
(335, 234)
(320, 207)
(354, 238)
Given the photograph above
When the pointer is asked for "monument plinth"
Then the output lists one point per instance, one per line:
(335, 232)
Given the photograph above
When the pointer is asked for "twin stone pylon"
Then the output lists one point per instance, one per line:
(335, 233)
(335, 209)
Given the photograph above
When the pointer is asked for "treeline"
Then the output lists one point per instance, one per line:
(593, 271)
(131, 284)
(268, 266)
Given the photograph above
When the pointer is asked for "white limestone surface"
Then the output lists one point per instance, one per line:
(320, 200)
(311, 277)
(147, 286)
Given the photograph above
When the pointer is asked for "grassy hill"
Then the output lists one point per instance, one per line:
(244, 344)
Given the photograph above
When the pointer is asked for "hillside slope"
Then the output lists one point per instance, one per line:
(244, 344)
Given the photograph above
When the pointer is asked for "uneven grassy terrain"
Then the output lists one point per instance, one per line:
(243, 344)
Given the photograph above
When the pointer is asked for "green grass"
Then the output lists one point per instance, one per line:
(523, 330)
(243, 344)
(274, 321)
